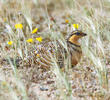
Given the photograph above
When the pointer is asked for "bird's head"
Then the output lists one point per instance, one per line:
(75, 36)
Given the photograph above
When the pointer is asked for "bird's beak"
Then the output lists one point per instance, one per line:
(84, 34)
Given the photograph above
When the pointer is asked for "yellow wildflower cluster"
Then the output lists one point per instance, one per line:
(10, 42)
(39, 39)
(66, 21)
(37, 55)
(76, 26)
(30, 40)
(18, 26)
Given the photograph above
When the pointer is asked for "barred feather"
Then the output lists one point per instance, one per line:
(48, 50)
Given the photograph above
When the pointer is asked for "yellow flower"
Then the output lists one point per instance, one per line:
(10, 42)
(18, 26)
(30, 40)
(35, 30)
(39, 39)
(75, 26)
(66, 21)
(38, 55)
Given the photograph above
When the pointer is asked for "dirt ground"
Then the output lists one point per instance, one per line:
(32, 81)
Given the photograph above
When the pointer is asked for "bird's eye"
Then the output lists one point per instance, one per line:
(77, 33)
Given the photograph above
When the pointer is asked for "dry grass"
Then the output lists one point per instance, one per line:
(28, 80)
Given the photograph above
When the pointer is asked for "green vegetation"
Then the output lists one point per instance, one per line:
(27, 24)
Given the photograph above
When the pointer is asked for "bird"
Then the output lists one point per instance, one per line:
(60, 53)
(75, 47)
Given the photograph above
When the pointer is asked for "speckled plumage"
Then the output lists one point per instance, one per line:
(59, 52)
